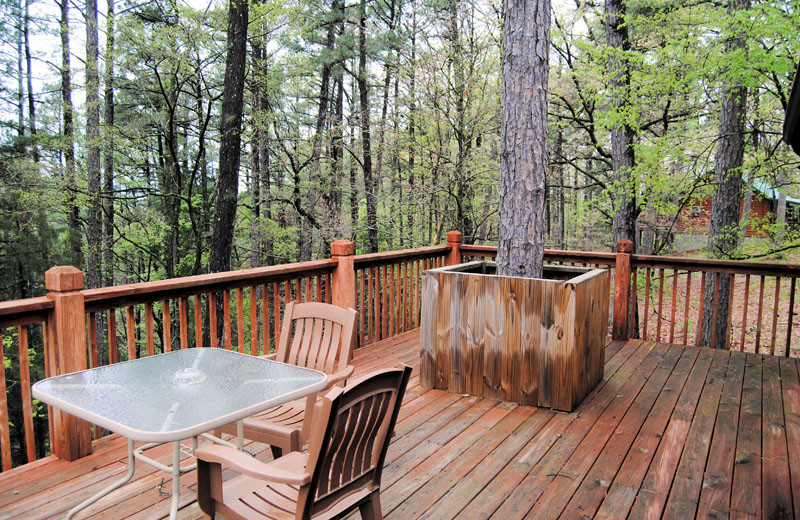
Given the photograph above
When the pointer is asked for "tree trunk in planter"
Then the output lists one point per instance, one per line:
(523, 154)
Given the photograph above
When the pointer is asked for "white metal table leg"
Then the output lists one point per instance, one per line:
(176, 479)
(94, 498)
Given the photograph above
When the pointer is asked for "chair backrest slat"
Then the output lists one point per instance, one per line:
(347, 452)
(317, 335)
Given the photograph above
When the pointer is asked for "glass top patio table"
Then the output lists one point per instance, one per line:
(179, 394)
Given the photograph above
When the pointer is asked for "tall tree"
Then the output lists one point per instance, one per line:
(723, 233)
(622, 133)
(93, 217)
(68, 178)
(370, 179)
(231, 138)
(523, 152)
(108, 150)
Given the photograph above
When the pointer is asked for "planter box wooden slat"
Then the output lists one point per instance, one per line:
(532, 341)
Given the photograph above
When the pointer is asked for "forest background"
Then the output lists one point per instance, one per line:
(376, 121)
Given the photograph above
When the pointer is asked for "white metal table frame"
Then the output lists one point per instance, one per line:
(237, 385)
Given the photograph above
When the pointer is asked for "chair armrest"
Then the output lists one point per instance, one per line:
(289, 469)
(271, 357)
(339, 377)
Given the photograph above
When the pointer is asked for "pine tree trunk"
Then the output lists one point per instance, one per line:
(622, 155)
(723, 234)
(108, 154)
(93, 143)
(29, 76)
(523, 154)
(68, 179)
(231, 139)
(370, 181)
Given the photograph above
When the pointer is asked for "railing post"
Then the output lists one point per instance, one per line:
(454, 239)
(344, 276)
(66, 353)
(622, 284)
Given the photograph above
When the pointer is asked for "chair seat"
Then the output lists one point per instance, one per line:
(250, 498)
(280, 426)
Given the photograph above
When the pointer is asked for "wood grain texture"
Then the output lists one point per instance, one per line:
(536, 342)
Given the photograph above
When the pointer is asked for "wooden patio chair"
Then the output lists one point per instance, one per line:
(322, 338)
(341, 470)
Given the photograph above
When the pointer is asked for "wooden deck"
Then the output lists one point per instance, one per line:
(670, 432)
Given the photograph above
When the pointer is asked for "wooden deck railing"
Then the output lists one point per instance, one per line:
(74, 328)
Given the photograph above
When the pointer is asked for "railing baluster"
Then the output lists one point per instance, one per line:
(148, 326)
(717, 282)
(309, 298)
(686, 307)
(674, 304)
(212, 320)
(660, 303)
(25, 387)
(264, 319)
(226, 319)
(646, 302)
(700, 311)
(319, 288)
(384, 308)
(198, 321)
(240, 319)
(362, 308)
(728, 322)
(276, 313)
(634, 303)
(328, 291)
(253, 322)
(93, 340)
(370, 305)
(760, 310)
(744, 311)
(788, 350)
(775, 316)
(130, 331)
(167, 326)
(287, 292)
(298, 290)
(113, 353)
(5, 436)
(403, 296)
(183, 325)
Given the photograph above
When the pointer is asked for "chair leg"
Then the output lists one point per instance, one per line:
(276, 451)
(371, 508)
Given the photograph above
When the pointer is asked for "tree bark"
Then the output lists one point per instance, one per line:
(94, 222)
(231, 138)
(69, 180)
(523, 153)
(29, 76)
(723, 234)
(108, 153)
(370, 182)
(622, 134)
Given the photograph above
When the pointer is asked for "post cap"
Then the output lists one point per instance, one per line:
(342, 248)
(454, 237)
(63, 278)
(624, 246)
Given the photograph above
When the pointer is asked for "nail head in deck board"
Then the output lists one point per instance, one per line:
(776, 501)
(716, 489)
(746, 493)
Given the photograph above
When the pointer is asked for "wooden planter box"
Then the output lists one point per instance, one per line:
(538, 342)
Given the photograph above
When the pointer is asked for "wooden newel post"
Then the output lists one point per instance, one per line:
(622, 285)
(66, 353)
(344, 276)
(454, 239)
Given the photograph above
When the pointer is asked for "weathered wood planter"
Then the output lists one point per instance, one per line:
(533, 341)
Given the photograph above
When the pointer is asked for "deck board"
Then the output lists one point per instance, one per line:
(670, 432)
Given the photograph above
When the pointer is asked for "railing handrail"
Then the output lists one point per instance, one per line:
(144, 292)
(25, 311)
(554, 255)
(717, 266)
(373, 259)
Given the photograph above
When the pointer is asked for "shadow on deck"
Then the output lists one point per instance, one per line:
(670, 431)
